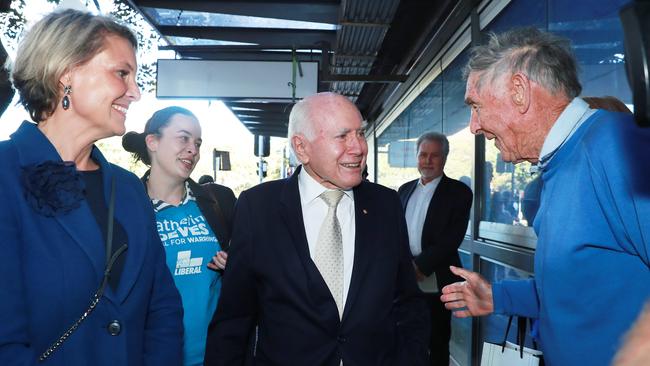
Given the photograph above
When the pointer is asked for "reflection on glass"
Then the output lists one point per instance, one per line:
(511, 191)
(204, 19)
(189, 41)
(596, 35)
(456, 122)
(460, 345)
(396, 146)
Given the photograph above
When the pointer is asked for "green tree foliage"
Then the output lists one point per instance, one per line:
(13, 23)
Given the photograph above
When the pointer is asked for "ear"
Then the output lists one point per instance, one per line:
(152, 142)
(300, 148)
(65, 78)
(520, 92)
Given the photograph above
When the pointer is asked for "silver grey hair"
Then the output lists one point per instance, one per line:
(543, 57)
(53, 46)
(436, 137)
(300, 121)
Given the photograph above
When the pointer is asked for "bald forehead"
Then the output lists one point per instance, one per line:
(328, 100)
(325, 106)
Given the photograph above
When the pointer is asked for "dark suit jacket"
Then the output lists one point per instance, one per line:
(444, 227)
(53, 265)
(271, 281)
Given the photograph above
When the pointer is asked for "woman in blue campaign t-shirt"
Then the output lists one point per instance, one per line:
(193, 221)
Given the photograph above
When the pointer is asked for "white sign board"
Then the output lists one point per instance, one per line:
(233, 79)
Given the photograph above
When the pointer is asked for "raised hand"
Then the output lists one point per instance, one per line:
(472, 297)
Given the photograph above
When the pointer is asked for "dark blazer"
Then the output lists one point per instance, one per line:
(444, 227)
(271, 281)
(216, 203)
(53, 265)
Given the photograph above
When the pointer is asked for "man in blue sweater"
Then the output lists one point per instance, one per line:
(593, 223)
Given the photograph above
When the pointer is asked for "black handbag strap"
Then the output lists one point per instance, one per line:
(521, 334)
(110, 260)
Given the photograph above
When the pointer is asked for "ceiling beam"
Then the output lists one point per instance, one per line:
(264, 121)
(313, 11)
(268, 131)
(274, 107)
(270, 37)
(364, 78)
(246, 56)
(262, 114)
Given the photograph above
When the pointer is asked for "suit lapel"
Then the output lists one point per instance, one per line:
(364, 215)
(408, 192)
(291, 215)
(82, 228)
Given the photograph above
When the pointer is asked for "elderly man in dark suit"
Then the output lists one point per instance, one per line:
(320, 261)
(437, 212)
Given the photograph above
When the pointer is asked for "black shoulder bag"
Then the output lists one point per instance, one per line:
(110, 260)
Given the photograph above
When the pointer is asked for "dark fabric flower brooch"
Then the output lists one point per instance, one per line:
(53, 188)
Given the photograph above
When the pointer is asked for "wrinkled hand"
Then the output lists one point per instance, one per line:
(419, 276)
(473, 297)
(636, 349)
(218, 261)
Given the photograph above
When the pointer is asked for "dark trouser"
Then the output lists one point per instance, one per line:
(440, 331)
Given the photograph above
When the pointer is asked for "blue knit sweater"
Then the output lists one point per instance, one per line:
(592, 264)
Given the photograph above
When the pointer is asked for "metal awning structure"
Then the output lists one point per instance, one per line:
(365, 48)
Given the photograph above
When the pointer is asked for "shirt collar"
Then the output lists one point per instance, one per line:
(431, 184)
(159, 205)
(310, 189)
(571, 118)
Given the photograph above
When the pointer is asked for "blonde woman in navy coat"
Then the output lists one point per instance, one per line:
(83, 279)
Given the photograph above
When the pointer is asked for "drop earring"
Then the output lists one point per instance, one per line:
(65, 103)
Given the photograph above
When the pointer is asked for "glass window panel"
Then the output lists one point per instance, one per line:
(597, 38)
(456, 122)
(520, 13)
(460, 345)
(505, 186)
(511, 194)
(396, 146)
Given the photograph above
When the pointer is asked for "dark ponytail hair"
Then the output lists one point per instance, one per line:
(134, 142)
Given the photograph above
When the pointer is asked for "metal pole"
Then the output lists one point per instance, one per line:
(214, 164)
(260, 152)
(218, 167)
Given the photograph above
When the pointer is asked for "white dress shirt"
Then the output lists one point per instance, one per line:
(416, 211)
(314, 210)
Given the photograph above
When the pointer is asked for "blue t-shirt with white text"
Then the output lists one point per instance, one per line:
(190, 245)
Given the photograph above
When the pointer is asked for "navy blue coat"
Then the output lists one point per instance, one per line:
(53, 265)
(272, 281)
